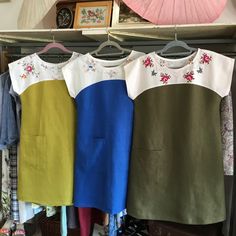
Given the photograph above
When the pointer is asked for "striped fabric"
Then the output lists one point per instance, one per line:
(13, 177)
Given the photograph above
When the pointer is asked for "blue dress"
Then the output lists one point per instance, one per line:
(104, 131)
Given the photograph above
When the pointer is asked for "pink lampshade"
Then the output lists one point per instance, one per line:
(177, 11)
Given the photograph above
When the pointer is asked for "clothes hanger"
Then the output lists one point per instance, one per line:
(110, 43)
(176, 44)
(56, 45)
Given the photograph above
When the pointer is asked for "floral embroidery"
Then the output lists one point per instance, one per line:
(29, 69)
(23, 76)
(190, 61)
(154, 73)
(91, 65)
(148, 62)
(164, 78)
(205, 59)
(112, 73)
(199, 70)
(162, 63)
(189, 76)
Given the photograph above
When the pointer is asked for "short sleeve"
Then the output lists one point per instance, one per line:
(18, 77)
(72, 77)
(222, 73)
(227, 73)
(132, 75)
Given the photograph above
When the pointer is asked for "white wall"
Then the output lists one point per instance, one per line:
(9, 12)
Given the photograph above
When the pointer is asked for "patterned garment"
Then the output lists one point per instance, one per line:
(6, 183)
(227, 134)
(13, 178)
(8, 128)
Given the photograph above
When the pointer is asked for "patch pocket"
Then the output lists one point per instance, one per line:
(33, 151)
(91, 153)
(98, 149)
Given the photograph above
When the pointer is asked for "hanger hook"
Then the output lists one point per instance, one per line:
(108, 34)
(176, 38)
(53, 37)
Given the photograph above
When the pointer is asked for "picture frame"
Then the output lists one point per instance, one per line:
(92, 14)
(123, 16)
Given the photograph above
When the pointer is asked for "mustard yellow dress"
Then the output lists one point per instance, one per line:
(47, 132)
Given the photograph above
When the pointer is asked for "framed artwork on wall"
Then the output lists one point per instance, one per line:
(92, 14)
(123, 16)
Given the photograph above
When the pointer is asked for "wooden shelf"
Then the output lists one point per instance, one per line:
(122, 33)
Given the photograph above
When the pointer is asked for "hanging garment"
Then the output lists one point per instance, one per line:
(88, 217)
(8, 127)
(232, 224)
(6, 186)
(47, 132)
(72, 217)
(104, 130)
(176, 171)
(17, 103)
(63, 221)
(15, 215)
(26, 211)
(227, 134)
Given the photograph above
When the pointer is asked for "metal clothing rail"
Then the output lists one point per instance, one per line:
(124, 43)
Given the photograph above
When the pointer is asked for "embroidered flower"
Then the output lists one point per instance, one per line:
(205, 59)
(164, 78)
(162, 63)
(148, 62)
(190, 61)
(29, 68)
(199, 70)
(23, 76)
(91, 65)
(154, 73)
(189, 76)
(112, 73)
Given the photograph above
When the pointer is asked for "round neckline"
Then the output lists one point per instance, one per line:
(120, 62)
(194, 57)
(51, 64)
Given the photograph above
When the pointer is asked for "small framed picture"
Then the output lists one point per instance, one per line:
(123, 16)
(92, 14)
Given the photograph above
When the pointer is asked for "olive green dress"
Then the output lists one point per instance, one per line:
(176, 170)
